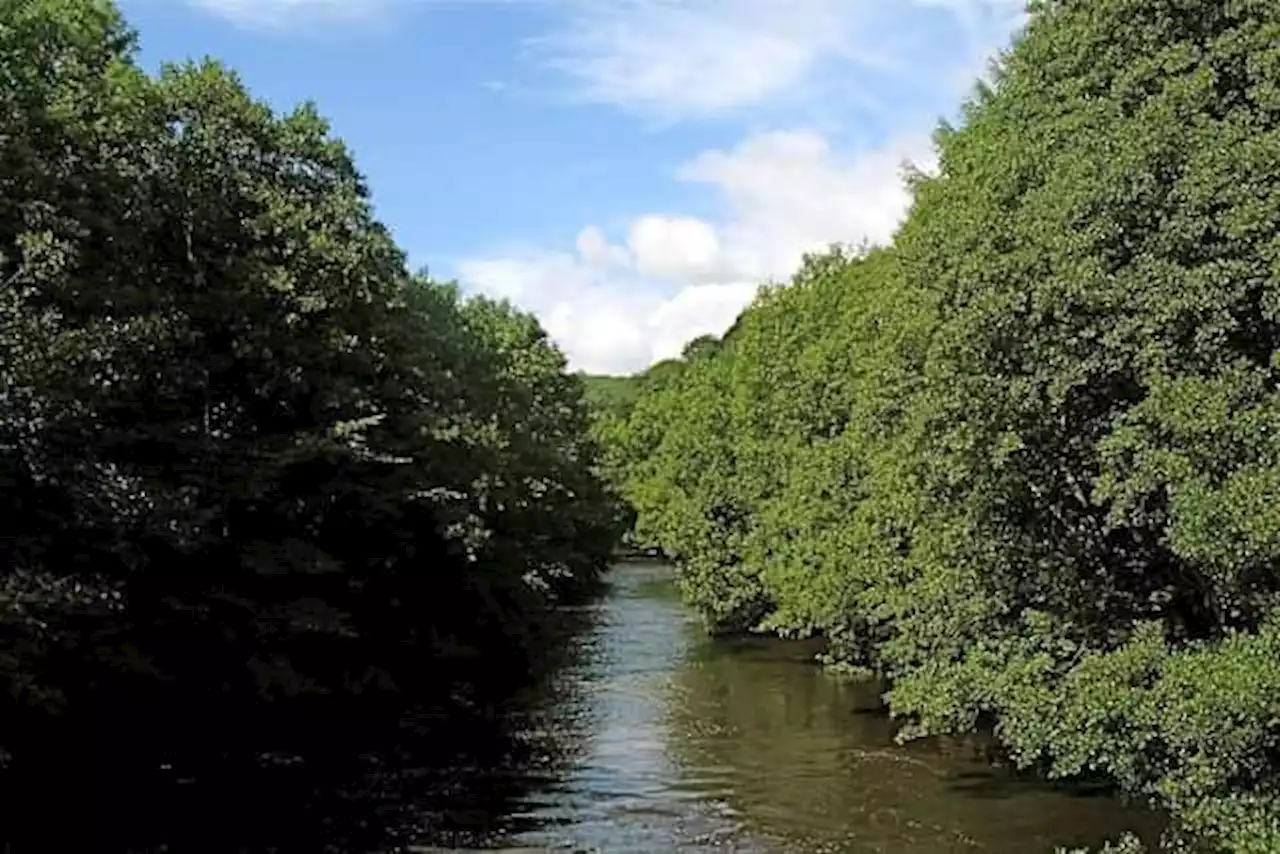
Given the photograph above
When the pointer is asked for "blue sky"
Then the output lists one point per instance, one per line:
(629, 170)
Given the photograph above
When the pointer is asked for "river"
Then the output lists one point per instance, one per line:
(654, 738)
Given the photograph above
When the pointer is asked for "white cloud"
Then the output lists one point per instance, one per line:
(781, 194)
(675, 247)
(616, 309)
(596, 250)
(679, 58)
(292, 13)
(595, 313)
(787, 193)
(694, 311)
(705, 57)
(675, 59)
(617, 302)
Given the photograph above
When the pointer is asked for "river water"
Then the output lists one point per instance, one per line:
(654, 738)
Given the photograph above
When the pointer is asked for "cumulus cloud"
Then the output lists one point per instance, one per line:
(675, 247)
(694, 311)
(639, 296)
(597, 251)
(592, 309)
(618, 307)
(787, 193)
(617, 302)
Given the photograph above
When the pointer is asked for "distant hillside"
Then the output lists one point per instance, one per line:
(617, 395)
(612, 395)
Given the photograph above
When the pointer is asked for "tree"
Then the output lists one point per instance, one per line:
(1022, 461)
(256, 473)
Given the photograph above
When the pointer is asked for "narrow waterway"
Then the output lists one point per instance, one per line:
(654, 738)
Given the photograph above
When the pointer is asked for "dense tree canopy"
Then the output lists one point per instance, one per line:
(1024, 461)
(256, 480)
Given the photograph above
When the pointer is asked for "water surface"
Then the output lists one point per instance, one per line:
(654, 738)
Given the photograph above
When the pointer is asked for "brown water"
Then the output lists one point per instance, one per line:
(657, 739)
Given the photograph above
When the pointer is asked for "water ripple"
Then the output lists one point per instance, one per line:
(656, 740)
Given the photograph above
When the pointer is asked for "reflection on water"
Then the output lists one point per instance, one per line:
(653, 738)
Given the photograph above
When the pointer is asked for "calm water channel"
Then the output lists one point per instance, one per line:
(654, 738)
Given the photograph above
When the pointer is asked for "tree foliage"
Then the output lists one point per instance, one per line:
(257, 481)
(1024, 460)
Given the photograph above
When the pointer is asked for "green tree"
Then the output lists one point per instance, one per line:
(266, 494)
(1023, 461)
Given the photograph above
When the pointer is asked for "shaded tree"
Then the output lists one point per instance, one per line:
(262, 485)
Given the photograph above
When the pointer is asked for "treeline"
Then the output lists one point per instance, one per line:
(271, 506)
(1025, 461)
